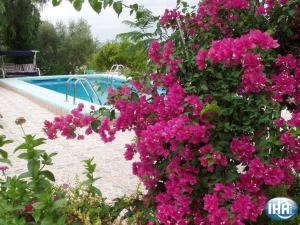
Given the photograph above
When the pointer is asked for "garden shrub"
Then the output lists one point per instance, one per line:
(33, 198)
(212, 146)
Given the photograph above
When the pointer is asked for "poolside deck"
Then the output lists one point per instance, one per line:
(115, 172)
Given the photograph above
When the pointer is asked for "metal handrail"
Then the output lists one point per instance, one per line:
(67, 86)
(81, 79)
(84, 88)
(93, 90)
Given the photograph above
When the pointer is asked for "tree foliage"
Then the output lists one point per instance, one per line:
(63, 49)
(20, 20)
(120, 52)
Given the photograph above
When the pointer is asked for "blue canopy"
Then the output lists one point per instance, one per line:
(18, 53)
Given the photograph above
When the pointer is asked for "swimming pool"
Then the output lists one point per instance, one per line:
(50, 91)
(83, 90)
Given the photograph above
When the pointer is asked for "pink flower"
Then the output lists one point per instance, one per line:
(244, 207)
(279, 122)
(220, 216)
(295, 120)
(286, 62)
(225, 191)
(200, 59)
(274, 176)
(28, 208)
(105, 131)
(154, 53)
(287, 139)
(260, 10)
(196, 103)
(211, 203)
(283, 2)
(129, 152)
(169, 16)
(68, 125)
(242, 148)
(55, 198)
(3, 168)
(80, 137)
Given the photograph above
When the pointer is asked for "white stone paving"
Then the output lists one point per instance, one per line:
(115, 172)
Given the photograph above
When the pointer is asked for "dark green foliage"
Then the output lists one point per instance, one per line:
(64, 49)
(20, 20)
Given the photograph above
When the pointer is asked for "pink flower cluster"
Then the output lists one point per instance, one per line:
(210, 158)
(268, 6)
(244, 207)
(164, 56)
(169, 17)
(286, 85)
(259, 174)
(68, 125)
(211, 14)
(235, 51)
(242, 148)
(3, 168)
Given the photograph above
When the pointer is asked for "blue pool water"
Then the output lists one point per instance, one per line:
(100, 84)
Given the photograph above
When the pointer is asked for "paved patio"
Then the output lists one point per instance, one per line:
(115, 172)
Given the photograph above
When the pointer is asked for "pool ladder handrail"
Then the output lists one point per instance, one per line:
(110, 79)
(80, 80)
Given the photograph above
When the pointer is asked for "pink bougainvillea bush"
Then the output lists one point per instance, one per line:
(212, 146)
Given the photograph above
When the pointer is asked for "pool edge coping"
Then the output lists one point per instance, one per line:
(40, 95)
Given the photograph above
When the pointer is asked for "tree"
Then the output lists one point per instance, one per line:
(64, 48)
(122, 52)
(78, 45)
(20, 20)
(48, 43)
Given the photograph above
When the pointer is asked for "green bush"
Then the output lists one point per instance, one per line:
(33, 198)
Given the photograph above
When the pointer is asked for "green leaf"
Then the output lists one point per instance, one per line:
(134, 7)
(7, 161)
(4, 141)
(39, 205)
(48, 174)
(61, 221)
(56, 2)
(53, 154)
(24, 175)
(210, 107)
(292, 12)
(78, 4)
(139, 14)
(36, 215)
(23, 156)
(211, 162)
(59, 203)
(106, 113)
(34, 167)
(134, 97)
(107, 3)
(47, 221)
(96, 5)
(3, 154)
(112, 115)
(118, 7)
(95, 124)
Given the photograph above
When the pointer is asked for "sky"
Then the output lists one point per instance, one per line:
(106, 25)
